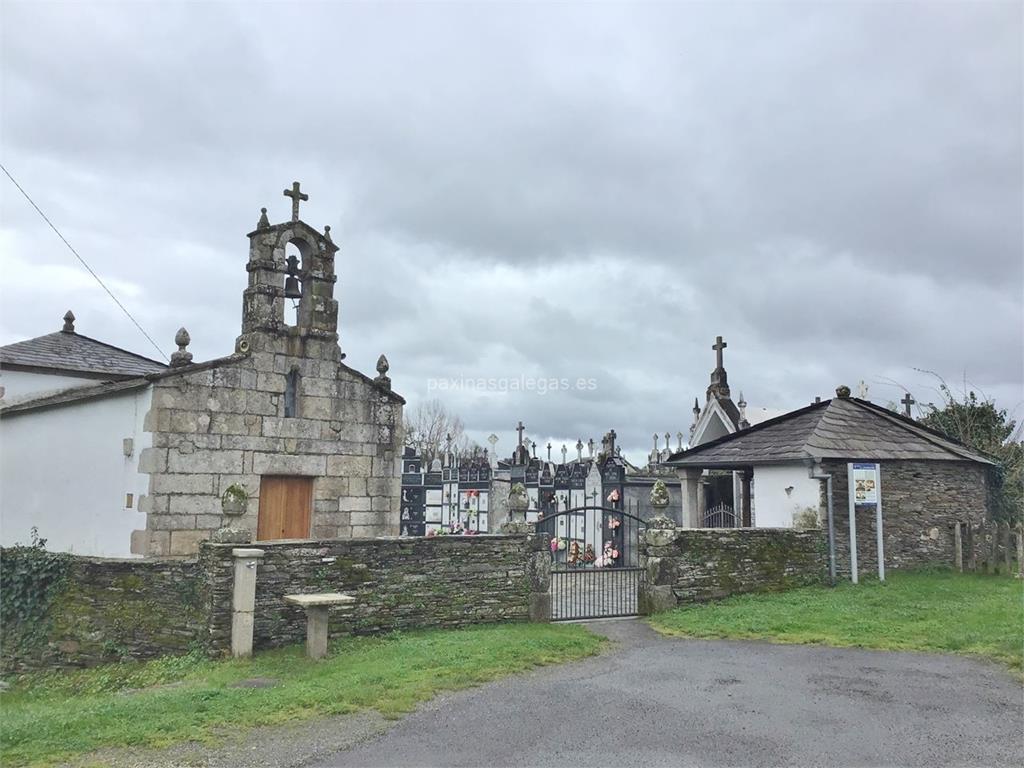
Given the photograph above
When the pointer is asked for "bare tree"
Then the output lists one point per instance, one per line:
(429, 427)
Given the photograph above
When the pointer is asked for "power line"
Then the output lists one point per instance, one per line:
(84, 264)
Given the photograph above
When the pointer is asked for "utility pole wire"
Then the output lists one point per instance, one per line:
(84, 264)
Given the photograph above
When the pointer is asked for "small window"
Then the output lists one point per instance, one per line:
(291, 394)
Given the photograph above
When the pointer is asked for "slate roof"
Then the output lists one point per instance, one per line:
(74, 353)
(841, 428)
(41, 401)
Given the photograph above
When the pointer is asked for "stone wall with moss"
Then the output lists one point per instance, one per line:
(102, 610)
(407, 583)
(921, 503)
(685, 565)
(99, 610)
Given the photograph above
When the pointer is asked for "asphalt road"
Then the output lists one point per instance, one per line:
(668, 702)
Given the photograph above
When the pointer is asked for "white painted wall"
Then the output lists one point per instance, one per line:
(18, 384)
(781, 490)
(64, 471)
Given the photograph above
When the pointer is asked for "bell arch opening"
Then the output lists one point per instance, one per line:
(295, 253)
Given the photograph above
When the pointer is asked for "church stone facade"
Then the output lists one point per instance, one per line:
(280, 438)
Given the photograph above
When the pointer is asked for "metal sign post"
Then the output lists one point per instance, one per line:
(865, 485)
(852, 507)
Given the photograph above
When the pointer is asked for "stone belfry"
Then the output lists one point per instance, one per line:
(276, 278)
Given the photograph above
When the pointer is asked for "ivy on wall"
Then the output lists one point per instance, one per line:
(30, 579)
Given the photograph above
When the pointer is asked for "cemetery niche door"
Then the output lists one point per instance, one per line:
(285, 507)
(595, 562)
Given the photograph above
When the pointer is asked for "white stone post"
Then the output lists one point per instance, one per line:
(243, 601)
(316, 631)
(689, 484)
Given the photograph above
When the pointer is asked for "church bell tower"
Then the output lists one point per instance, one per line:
(306, 277)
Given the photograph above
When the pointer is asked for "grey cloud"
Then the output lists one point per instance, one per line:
(592, 190)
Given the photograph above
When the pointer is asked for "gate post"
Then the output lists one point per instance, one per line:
(243, 600)
(538, 570)
(658, 567)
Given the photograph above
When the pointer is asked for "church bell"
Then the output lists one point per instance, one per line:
(292, 290)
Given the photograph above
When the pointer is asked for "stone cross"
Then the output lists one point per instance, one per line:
(534, 447)
(579, 450)
(296, 196)
(679, 441)
(590, 448)
(493, 440)
(718, 346)
(655, 442)
(611, 441)
(564, 452)
(549, 451)
(907, 402)
(667, 438)
(519, 429)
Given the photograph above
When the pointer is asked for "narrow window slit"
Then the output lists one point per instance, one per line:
(291, 394)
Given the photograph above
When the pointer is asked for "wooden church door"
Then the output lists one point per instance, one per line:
(285, 507)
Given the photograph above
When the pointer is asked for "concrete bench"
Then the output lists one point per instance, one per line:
(316, 606)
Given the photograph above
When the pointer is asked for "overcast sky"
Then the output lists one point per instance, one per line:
(571, 192)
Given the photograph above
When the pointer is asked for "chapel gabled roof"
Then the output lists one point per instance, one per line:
(841, 428)
(67, 351)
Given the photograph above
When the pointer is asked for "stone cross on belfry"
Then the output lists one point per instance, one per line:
(907, 402)
(519, 429)
(718, 346)
(296, 196)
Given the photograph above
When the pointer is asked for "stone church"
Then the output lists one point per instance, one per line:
(117, 454)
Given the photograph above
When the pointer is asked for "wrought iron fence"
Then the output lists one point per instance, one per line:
(595, 553)
(721, 516)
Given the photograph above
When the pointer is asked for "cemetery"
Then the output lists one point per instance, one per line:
(277, 521)
(281, 501)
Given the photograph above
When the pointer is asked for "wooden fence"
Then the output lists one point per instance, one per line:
(996, 548)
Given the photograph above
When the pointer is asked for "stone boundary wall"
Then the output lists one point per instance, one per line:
(111, 610)
(686, 565)
(399, 584)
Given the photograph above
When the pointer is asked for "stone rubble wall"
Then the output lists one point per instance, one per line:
(225, 425)
(111, 610)
(687, 565)
(921, 502)
(399, 584)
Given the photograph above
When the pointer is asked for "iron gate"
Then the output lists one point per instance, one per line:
(595, 568)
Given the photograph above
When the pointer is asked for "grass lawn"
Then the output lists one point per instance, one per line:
(912, 611)
(46, 717)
